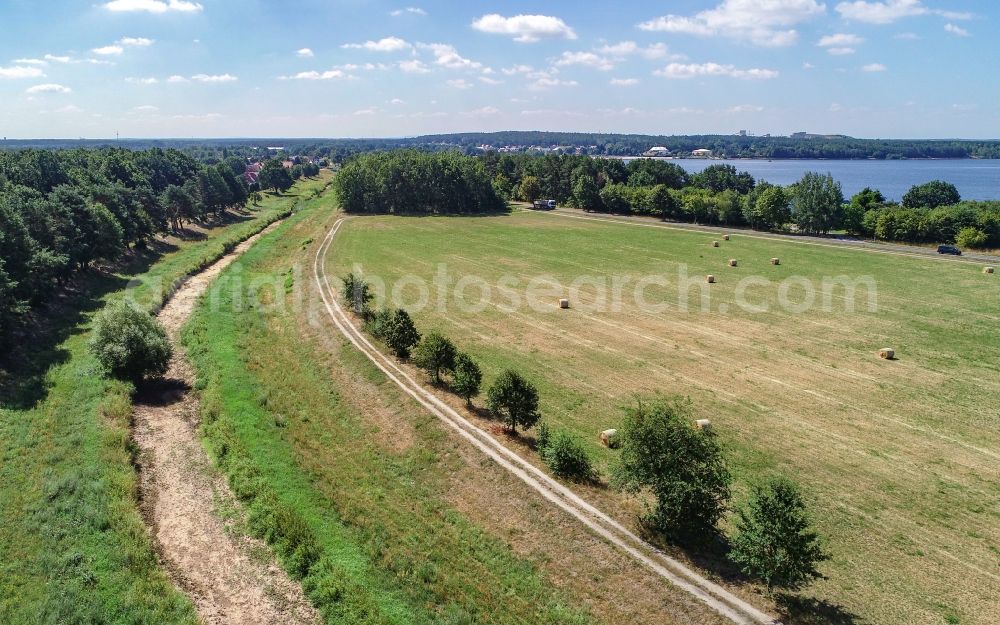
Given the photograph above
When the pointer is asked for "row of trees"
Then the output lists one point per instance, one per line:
(62, 212)
(415, 183)
(683, 468)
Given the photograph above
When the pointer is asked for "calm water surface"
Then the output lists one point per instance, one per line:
(975, 179)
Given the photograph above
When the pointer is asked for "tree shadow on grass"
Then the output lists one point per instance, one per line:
(37, 347)
(796, 610)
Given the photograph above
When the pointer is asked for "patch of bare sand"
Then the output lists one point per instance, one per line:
(224, 573)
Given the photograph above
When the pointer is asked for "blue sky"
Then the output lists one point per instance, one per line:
(326, 68)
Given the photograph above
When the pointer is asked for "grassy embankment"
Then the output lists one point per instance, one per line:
(73, 547)
(899, 459)
(357, 511)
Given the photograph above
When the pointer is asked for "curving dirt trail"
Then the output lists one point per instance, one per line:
(231, 578)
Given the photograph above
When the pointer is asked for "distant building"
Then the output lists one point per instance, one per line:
(743, 133)
(252, 173)
(657, 151)
(701, 153)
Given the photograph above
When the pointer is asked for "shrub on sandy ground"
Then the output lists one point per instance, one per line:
(565, 456)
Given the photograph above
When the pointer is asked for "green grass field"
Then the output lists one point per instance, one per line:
(73, 548)
(900, 460)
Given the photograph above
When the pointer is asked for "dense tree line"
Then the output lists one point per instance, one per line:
(62, 212)
(598, 144)
(407, 181)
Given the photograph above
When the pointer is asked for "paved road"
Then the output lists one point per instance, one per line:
(927, 253)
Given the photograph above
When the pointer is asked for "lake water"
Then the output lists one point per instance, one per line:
(975, 179)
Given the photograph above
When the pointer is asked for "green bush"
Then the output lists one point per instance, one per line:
(466, 378)
(435, 354)
(400, 334)
(514, 400)
(973, 238)
(566, 457)
(378, 323)
(681, 466)
(774, 542)
(129, 343)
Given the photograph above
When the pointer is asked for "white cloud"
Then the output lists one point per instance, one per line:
(841, 51)
(49, 88)
(58, 59)
(808, 65)
(447, 56)
(414, 66)
(890, 11)
(112, 50)
(587, 59)
(840, 39)
(524, 28)
(396, 101)
(874, 67)
(745, 108)
(956, 30)
(760, 22)
(624, 82)
(176, 79)
(153, 6)
(408, 11)
(518, 69)
(548, 82)
(490, 81)
(629, 48)
(836, 107)
(460, 83)
(304, 53)
(386, 44)
(214, 78)
(482, 112)
(135, 42)
(142, 81)
(21, 72)
(146, 108)
(30, 62)
(362, 112)
(331, 74)
(693, 70)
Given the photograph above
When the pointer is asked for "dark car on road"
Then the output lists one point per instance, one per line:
(949, 249)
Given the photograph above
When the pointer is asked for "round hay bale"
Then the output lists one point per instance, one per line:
(989, 269)
(710, 279)
(775, 261)
(703, 424)
(609, 438)
(725, 237)
(732, 262)
(564, 303)
(887, 353)
(715, 244)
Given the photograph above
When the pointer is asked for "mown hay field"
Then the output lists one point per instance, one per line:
(899, 459)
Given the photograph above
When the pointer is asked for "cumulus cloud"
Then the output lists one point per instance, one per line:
(142, 81)
(135, 42)
(408, 11)
(549, 82)
(176, 79)
(460, 83)
(889, 11)
(840, 39)
(587, 59)
(386, 44)
(414, 66)
(482, 112)
(745, 108)
(49, 88)
(331, 74)
(624, 82)
(761, 22)
(958, 31)
(630, 48)
(30, 62)
(490, 81)
(446, 55)
(304, 53)
(58, 59)
(153, 6)
(21, 71)
(146, 108)
(112, 50)
(874, 67)
(525, 28)
(214, 78)
(694, 70)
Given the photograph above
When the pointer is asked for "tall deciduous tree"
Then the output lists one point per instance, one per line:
(818, 203)
(466, 378)
(514, 400)
(435, 354)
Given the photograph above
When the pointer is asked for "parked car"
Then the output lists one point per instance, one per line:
(949, 249)
(544, 204)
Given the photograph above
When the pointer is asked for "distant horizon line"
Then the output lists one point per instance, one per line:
(476, 132)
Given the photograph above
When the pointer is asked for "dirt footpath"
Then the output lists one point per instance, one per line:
(231, 578)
